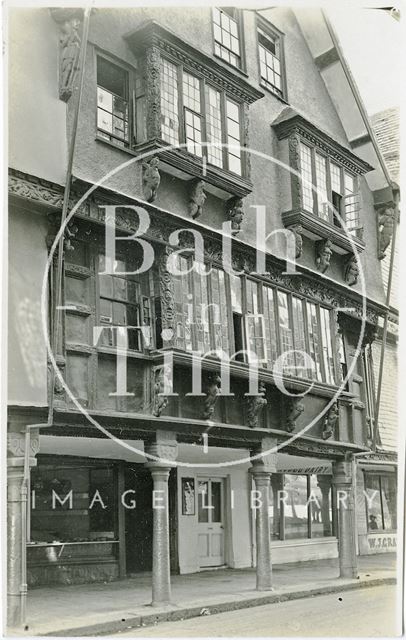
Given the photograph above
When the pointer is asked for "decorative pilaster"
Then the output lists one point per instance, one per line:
(294, 162)
(261, 470)
(17, 497)
(343, 483)
(152, 84)
(165, 450)
(167, 295)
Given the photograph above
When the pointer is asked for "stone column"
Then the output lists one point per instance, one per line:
(324, 483)
(343, 482)
(164, 450)
(261, 470)
(17, 494)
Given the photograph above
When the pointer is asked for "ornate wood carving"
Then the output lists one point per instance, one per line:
(351, 271)
(294, 409)
(167, 294)
(330, 421)
(297, 229)
(16, 444)
(197, 198)
(386, 223)
(70, 21)
(235, 213)
(161, 375)
(150, 179)
(151, 72)
(213, 387)
(294, 161)
(324, 252)
(256, 405)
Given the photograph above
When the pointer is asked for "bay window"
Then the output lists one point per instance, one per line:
(193, 111)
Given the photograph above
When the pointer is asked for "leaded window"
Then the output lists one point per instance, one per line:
(226, 35)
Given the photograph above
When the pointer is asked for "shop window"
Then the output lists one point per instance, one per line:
(112, 102)
(227, 40)
(271, 59)
(296, 514)
(189, 107)
(381, 496)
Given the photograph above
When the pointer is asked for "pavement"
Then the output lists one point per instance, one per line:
(366, 613)
(107, 608)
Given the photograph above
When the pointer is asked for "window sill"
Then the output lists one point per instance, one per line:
(316, 228)
(273, 93)
(228, 65)
(109, 143)
(184, 165)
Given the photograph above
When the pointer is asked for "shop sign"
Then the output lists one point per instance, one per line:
(382, 542)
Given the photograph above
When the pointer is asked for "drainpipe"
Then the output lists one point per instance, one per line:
(59, 269)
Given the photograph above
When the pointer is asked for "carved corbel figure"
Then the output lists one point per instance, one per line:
(324, 252)
(69, 21)
(351, 271)
(294, 409)
(235, 213)
(71, 230)
(151, 179)
(197, 199)
(386, 223)
(330, 421)
(255, 406)
(297, 230)
(161, 381)
(213, 389)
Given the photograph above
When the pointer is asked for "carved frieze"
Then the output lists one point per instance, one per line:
(167, 295)
(235, 213)
(256, 405)
(150, 179)
(197, 198)
(324, 251)
(386, 223)
(212, 390)
(294, 408)
(351, 271)
(330, 421)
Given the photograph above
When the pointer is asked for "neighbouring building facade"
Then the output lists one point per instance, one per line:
(188, 120)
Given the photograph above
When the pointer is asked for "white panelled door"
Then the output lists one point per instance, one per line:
(210, 522)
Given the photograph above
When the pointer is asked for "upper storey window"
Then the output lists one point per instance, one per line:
(112, 102)
(271, 58)
(227, 41)
(193, 111)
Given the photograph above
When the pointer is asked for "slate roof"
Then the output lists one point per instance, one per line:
(386, 128)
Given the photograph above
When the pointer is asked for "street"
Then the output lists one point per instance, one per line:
(364, 613)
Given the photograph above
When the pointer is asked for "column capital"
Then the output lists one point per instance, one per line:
(164, 450)
(266, 463)
(16, 447)
(342, 473)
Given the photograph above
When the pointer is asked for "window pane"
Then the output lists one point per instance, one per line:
(286, 337)
(183, 297)
(389, 497)
(169, 102)
(327, 345)
(219, 310)
(373, 501)
(270, 326)
(226, 37)
(299, 336)
(236, 299)
(255, 328)
(296, 507)
(320, 506)
(216, 501)
(213, 127)
(201, 312)
(335, 173)
(306, 173)
(203, 501)
(321, 183)
(269, 52)
(191, 92)
(314, 341)
(112, 101)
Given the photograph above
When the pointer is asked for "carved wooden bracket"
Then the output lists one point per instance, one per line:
(386, 223)
(330, 421)
(213, 388)
(351, 271)
(70, 23)
(297, 230)
(150, 179)
(235, 213)
(197, 198)
(324, 252)
(161, 381)
(294, 409)
(255, 406)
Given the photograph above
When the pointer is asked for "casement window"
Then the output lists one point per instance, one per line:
(299, 508)
(329, 191)
(95, 303)
(271, 59)
(227, 36)
(381, 511)
(233, 314)
(112, 102)
(193, 111)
